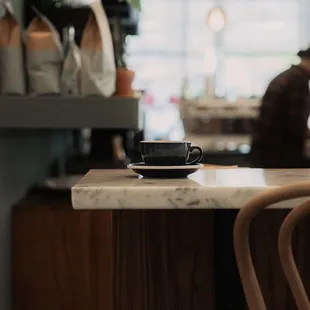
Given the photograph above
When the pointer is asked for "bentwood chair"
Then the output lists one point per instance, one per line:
(286, 254)
(248, 276)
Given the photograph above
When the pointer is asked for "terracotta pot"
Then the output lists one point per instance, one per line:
(124, 79)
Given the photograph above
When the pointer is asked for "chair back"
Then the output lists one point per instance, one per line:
(286, 254)
(247, 273)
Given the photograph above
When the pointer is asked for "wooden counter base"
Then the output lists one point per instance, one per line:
(66, 259)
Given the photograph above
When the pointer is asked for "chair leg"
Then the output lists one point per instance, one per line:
(286, 254)
(247, 273)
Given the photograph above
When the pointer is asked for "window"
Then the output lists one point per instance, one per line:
(261, 38)
(260, 26)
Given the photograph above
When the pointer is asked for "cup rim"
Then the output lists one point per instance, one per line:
(164, 141)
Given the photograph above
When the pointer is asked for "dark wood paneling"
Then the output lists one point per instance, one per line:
(164, 260)
(62, 259)
(229, 291)
(142, 260)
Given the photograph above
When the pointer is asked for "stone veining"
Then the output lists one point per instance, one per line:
(206, 189)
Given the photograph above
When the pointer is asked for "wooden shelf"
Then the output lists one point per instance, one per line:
(56, 112)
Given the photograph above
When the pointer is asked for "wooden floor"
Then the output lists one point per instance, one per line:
(142, 260)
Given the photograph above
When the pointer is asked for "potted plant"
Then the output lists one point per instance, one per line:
(124, 76)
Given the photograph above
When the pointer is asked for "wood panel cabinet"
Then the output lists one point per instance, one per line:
(62, 259)
(143, 260)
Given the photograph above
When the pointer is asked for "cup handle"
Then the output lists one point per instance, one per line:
(199, 158)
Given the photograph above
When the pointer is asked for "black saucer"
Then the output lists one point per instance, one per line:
(164, 172)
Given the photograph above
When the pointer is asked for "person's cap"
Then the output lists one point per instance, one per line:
(304, 53)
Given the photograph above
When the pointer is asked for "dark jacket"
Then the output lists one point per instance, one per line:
(281, 128)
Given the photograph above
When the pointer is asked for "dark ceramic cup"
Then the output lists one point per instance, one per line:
(169, 153)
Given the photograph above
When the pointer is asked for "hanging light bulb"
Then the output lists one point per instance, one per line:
(216, 19)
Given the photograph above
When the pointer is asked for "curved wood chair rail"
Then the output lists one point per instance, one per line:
(248, 276)
(286, 254)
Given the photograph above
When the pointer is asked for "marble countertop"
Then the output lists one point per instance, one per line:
(205, 189)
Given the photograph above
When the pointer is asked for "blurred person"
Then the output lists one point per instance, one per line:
(281, 129)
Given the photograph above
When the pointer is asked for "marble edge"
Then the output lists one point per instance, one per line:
(168, 198)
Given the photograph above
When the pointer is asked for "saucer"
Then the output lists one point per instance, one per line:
(169, 172)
